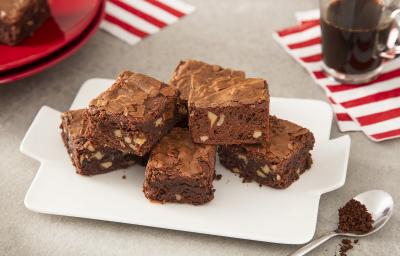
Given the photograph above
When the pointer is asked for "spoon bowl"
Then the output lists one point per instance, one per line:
(378, 203)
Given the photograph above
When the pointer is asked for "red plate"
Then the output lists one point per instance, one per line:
(57, 56)
(69, 19)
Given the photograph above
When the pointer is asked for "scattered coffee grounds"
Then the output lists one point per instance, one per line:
(354, 217)
(356, 241)
(218, 176)
(124, 176)
(345, 246)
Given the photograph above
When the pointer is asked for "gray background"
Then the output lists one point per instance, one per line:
(231, 33)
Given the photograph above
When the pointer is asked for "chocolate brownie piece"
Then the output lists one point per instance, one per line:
(88, 157)
(181, 79)
(228, 110)
(179, 170)
(276, 164)
(134, 113)
(20, 19)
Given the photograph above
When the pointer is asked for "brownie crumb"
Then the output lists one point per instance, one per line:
(354, 217)
(346, 241)
(124, 176)
(218, 176)
(345, 246)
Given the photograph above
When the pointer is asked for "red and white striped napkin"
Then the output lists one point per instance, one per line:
(133, 20)
(373, 107)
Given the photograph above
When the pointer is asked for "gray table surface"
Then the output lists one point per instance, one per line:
(232, 33)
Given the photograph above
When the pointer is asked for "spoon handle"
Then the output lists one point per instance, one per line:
(313, 244)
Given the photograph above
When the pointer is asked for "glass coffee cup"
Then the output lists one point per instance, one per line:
(357, 35)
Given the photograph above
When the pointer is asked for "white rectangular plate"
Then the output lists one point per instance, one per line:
(240, 210)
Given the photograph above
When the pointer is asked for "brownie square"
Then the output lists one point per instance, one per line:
(276, 164)
(179, 170)
(88, 157)
(19, 19)
(134, 113)
(181, 79)
(228, 110)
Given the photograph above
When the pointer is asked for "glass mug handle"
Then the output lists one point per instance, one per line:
(393, 48)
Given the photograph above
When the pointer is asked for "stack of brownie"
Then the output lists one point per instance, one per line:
(229, 110)
(121, 125)
(177, 129)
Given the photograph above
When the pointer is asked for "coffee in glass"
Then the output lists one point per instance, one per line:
(354, 34)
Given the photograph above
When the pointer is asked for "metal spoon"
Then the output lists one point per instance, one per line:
(378, 203)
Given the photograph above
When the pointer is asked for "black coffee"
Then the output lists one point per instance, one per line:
(353, 35)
